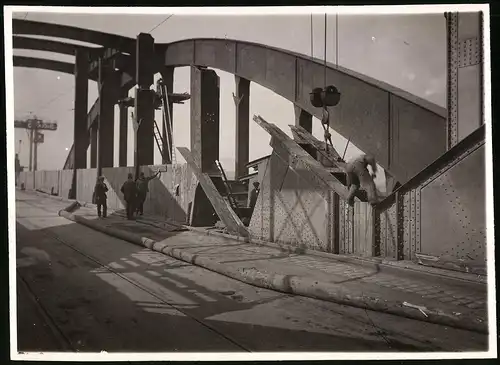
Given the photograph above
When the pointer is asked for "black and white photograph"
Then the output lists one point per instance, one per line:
(249, 183)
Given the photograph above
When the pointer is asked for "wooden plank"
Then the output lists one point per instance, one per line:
(298, 138)
(357, 222)
(363, 229)
(341, 226)
(369, 240)
(331, 155)
(297, 156)
(221, 207)
(399, 227)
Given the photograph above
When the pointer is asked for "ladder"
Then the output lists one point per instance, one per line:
(162, 91)
(158, 138)
(232, 201)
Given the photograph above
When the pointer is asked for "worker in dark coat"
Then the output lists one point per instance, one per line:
(143, 189)
(254, 194)
(100, 196)
(17, 168)
(129, 191)
(358, 177)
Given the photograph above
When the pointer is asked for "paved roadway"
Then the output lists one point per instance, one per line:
(80, 290)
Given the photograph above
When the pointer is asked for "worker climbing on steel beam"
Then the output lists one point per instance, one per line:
(358, 177)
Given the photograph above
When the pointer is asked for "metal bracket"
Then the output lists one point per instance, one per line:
(237, 100)
(468, 52)
(135, 124)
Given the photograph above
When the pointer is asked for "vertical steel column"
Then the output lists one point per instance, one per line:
(167, 75)
(144, 107)
(106, 121)
(452, 79)
(303, 119)
(389, 182)
(122, 153)
(93, 146)
(35, 150)
(32, 140)
(465, 73)
(205, 118)
(80, 133)
(242, 101)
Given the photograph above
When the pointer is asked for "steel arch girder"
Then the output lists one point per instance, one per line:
(45, 64)
(124, 44)
(127, 81)
(380, 119)
(36, 44)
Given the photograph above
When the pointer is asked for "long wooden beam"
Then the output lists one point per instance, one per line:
(301, 162)
(221, 207)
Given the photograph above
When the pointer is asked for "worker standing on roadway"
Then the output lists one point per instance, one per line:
(358, 177)
(254, 194)
(17, 168)
(143, 189)
(100, 191)
(129, 191)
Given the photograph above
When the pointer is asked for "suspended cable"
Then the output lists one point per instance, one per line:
(56, 98)
(337, 40)
(337, 66)
(325, 51)
(312, 49)
(326, 116)
(345, 150)
(163, 21)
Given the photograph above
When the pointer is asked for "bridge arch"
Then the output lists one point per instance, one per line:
(46, 45)
(403, 131)
(26, 27)
(44, 64)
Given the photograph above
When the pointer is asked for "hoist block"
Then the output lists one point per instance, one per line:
(328, 96)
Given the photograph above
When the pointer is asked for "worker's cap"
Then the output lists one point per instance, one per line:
(256, 183)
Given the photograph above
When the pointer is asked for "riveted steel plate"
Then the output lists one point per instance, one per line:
(377, 233)
(413, 223)
(469, 52)
(468, 24)
(469, 100)
(406, 230)
(346, 228)
(275, 173)
(383, 233)
(341, 225)
(453, 58)
(453, 212)
(392, 231)
(300, 214)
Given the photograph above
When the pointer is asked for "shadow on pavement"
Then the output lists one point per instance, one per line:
(126, 303)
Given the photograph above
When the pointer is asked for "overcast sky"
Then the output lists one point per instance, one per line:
(407, 51)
